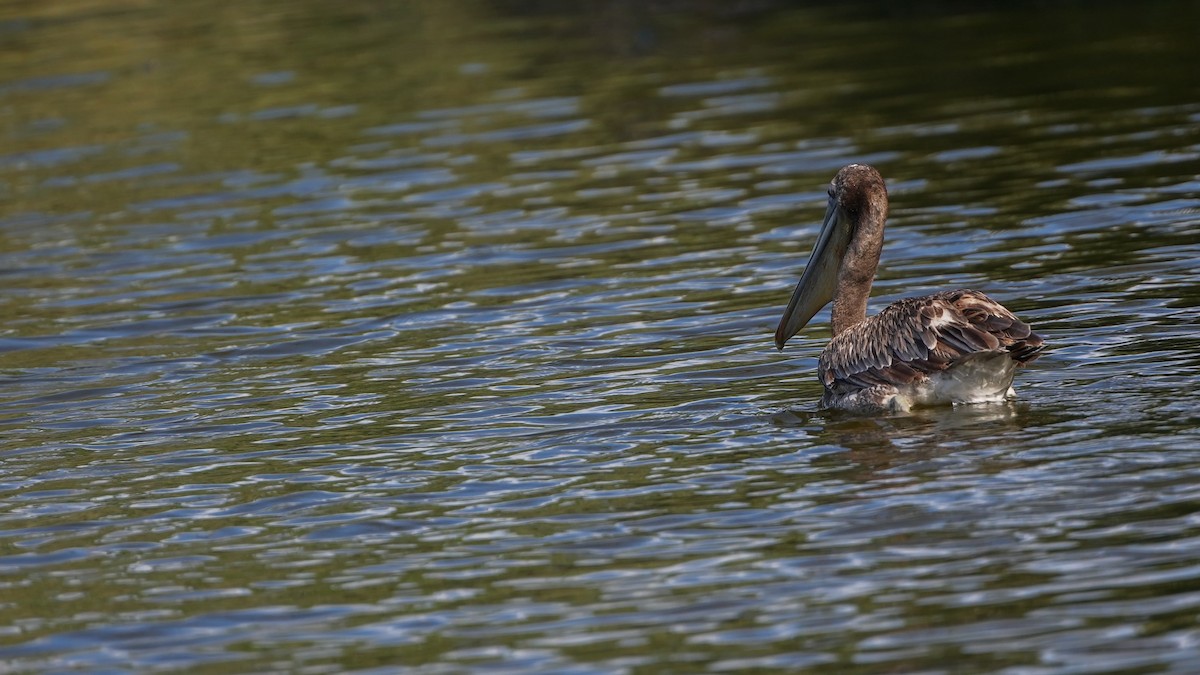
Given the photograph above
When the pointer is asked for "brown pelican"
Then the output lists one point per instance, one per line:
(949, 347)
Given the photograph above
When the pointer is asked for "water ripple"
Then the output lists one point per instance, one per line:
(391, 345)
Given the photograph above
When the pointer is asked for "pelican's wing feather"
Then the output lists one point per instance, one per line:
(915, 337)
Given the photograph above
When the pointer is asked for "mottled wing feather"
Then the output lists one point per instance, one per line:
(916, 337)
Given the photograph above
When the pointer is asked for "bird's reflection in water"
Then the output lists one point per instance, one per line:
(881, 443)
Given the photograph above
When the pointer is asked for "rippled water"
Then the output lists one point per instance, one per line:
(349, 336)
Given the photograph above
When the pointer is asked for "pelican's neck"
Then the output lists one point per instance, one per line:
(857, 270)
(849, 307)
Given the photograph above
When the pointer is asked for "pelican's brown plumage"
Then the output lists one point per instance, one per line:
(950, 347)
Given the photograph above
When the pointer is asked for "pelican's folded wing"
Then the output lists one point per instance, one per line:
(915, 337)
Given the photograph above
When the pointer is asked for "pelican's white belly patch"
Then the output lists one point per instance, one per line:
(983, 377)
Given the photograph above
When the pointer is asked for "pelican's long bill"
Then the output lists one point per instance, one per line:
(819, 281)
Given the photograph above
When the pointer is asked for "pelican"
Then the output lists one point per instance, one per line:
(950, 347)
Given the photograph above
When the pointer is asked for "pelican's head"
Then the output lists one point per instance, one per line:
(847, 249)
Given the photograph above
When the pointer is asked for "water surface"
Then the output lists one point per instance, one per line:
(437, 335)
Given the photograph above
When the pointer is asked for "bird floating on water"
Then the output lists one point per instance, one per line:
(950, 347)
